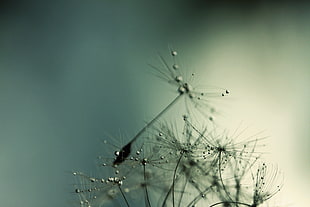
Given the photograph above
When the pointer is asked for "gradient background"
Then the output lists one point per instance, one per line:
(73, 71)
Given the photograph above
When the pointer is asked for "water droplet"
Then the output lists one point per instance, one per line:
(175, 66)
(162, 157)
(116, 171)
(181, 90)
(174, 53)
(92, 180)
(102, 180)
(144, 161)
(104, 164)
(178, 78)
(138, 152)
(77, 190)
(227, 91)
(160, 134)
(74, 173)
(116, 153)
(191, 95)
(184, 118)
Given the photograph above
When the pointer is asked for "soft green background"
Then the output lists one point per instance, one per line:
(72, 72)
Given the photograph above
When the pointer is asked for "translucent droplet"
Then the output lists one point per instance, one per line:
(178, 78)
(116, 153)
(92, 180)
(116, 171)
(74, 173)
(160, 134)
(138, 152)
(181, 90)
(191, 95)
(162, 157)
(144, 161)
(104, 164)
(174, 53)
(77, 190)
(175, 66)
(227, 91)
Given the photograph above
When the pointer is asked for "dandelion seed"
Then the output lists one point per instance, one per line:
(173, 76)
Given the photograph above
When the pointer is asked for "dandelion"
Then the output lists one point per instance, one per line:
(179, 164)
(267, 181)
(172, 75)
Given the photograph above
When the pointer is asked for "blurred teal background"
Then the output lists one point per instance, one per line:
(73, 71)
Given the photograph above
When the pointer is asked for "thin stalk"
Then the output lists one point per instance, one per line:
(125, 151)
(197, 198)
(173, 184)
(183, 190)
(120, 189)
(220, 173)
(225, 202)
(147, 199)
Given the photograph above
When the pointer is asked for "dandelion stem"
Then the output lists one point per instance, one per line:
(225, 202)
(198, 197)
(220, 173)
(173, 183)
(120, 189)
(125, 151)
(147, 199)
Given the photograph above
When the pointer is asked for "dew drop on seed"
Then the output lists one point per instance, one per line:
(116, 171)
(160, 134)
(74, 173)
(104, 164)
(178, 78)
(116, 153)
(138, 152)
(92, 180)
(102, 180)
(175, 66)
(162, 157)
(181, 90)
(174, 53)
(77, 190)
